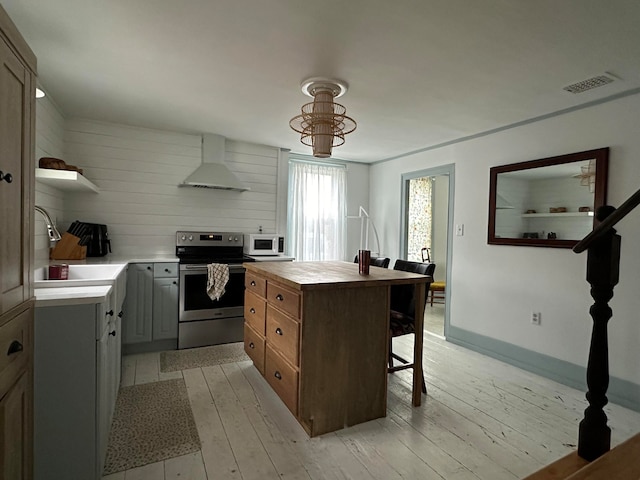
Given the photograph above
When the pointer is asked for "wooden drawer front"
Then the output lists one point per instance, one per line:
(283, 298)
(15, 336)
(254, 346)
(255, 284)
(283, 378)
(254, 312)
(283, 334)
(165, 270)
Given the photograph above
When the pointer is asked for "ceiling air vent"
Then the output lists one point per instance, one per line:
(589, 84)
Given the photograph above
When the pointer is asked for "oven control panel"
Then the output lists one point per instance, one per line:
(209, 239)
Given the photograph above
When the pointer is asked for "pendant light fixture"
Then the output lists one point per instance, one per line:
(323, 123)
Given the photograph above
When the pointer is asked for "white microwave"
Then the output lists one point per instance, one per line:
(263, 244)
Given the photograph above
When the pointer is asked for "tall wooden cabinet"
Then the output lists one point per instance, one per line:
(17, 125)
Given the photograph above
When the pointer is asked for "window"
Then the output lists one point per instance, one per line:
(317, 210)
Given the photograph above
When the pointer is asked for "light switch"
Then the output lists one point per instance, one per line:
(460, 229)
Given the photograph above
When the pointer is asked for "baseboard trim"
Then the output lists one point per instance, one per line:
(621, 392)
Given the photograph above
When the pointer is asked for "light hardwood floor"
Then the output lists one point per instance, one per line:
(481, 419)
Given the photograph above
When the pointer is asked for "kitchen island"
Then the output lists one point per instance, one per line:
(319, 333)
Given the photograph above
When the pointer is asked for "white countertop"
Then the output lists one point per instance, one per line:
(111, 259)
(55, 297)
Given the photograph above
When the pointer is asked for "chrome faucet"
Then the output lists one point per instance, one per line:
(54, 234)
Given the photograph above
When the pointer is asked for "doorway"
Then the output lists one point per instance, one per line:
(427, 229)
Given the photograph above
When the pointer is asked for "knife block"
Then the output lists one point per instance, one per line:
(67, 248)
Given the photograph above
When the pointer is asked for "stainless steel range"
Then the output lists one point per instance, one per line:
(203, 321)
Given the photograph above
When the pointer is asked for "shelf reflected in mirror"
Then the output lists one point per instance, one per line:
(548, 202)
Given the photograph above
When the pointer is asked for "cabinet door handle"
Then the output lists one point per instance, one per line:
(110, 313)
(112, 333)
(148, 268)
(121, 314)
(175, 283)
(279, 331)
(7, 177)
(15, 347)
(279, 297)
(253, 283)
(167, 270)
(278, 375)
(251, 345)
(252, 310)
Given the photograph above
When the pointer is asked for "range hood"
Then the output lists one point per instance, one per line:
(213, 173)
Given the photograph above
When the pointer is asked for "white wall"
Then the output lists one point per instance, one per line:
(495, 288)
(49, 143)
(138, 171)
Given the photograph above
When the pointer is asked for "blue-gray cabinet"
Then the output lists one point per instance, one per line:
(151, 310)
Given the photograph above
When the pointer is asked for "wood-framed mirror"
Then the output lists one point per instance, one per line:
(548, 202)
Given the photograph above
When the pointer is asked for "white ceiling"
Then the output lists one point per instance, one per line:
(420, 72)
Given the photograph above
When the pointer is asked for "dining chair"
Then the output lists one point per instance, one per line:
(402, 313)
(382, 262)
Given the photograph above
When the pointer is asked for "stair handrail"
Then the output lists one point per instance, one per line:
(607, 224)
(603, 271)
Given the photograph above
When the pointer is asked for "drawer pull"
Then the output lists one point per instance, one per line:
(251, 345)
(113, 334)
(167, 270)
(148, 268)
(110, 313)
(7, 177)
(253, 283)
(252, 310)
(15, 347)
(279, 297)
(121, 314)
(279, 331)
(278, 375)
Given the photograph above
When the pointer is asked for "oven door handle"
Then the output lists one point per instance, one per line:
(233, 268)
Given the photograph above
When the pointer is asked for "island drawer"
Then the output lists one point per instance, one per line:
(254, 312)
(283, 378)
(254, 346)
(283, 334)
(284, 299)
(255, 284)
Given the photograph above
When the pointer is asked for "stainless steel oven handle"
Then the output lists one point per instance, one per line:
(203, 267)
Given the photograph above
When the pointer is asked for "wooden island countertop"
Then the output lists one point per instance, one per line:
(319, 334)
(313, 275)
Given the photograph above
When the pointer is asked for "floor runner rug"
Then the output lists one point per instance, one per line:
(151, 422)
(173, 360)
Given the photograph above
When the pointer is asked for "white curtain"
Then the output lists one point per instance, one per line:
(317, 210)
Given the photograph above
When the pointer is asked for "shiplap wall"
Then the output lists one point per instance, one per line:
(138, 171)
(49, 143)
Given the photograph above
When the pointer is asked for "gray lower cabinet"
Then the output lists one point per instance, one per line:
(151, 310)
(138, 309)
(165, 308)
(77, 376)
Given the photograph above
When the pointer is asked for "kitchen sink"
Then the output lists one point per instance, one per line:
(81, 275)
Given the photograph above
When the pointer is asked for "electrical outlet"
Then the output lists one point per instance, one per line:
(535, 318)
(460, 229)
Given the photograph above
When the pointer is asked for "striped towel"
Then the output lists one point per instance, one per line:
(217, 278)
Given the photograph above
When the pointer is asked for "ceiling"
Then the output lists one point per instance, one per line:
(420, 72)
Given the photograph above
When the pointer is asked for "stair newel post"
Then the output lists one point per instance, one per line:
(603, 265)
